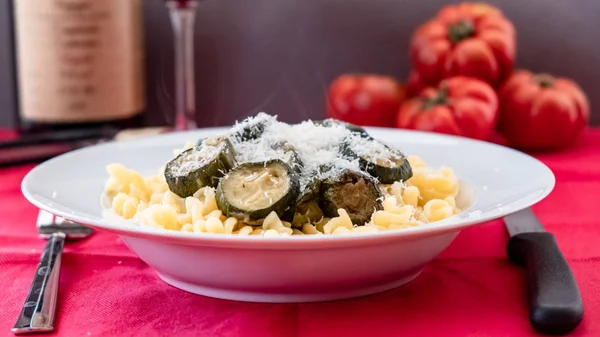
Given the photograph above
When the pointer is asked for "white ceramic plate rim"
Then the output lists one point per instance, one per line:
(443, 226)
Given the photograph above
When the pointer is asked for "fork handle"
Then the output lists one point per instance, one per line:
(39, 309)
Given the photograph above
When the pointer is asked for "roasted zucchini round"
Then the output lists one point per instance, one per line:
(250, 130)
(253, 190)
(200, 166)
(307, 209)
(329, 122)
(290, 156)
(385, 163)
(356, 192)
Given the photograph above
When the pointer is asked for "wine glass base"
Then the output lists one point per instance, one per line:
(185, 123)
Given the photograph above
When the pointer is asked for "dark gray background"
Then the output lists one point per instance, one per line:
(279, 56)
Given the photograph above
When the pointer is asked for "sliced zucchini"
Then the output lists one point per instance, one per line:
(290, 156)
(329, 122)
(383, 162)
(200, 166)
(253, 190)
(356, 192)
(307, 209)
(289, 214)
(250, 130)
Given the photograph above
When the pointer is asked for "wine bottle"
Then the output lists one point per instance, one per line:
(79, 63)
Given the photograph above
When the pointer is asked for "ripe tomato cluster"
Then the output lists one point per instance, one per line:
(463, 83)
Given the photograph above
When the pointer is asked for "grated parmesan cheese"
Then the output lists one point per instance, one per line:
(259, 139)
(316, 145)
(194, 159)
(375, 151)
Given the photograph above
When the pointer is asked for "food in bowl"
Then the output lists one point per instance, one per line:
(266, 177)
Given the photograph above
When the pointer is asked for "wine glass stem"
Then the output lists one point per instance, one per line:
(182, 19)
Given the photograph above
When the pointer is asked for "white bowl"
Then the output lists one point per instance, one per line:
(496, 181)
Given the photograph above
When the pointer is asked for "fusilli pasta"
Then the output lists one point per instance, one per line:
(147, 201)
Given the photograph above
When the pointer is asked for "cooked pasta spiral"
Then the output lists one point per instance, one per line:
(147, 201)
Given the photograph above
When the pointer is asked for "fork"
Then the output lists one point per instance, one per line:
(39, 310)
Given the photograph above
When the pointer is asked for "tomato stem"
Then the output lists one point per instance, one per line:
(460, 31)
(544, 80)
(441, 98)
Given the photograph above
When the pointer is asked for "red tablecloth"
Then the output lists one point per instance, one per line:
(470, 290)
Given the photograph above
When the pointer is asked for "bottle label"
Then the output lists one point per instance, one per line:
(79, 60)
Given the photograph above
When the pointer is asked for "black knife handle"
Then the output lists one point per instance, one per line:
(555, 305)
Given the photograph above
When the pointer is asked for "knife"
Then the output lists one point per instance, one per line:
(555, 305)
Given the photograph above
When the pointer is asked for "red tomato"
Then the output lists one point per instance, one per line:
(497, 138)
(415, 84)
(367, 99)
(469, 39)
(460, 106)
(541, 112)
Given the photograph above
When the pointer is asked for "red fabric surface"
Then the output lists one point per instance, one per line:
(470, 290)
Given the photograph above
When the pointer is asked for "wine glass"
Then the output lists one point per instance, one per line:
(183, 14)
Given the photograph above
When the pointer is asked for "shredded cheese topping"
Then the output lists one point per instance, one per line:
(194, 159)
(316, 146)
